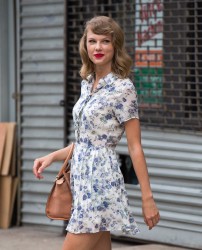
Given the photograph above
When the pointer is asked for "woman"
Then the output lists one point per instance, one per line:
(106, 108)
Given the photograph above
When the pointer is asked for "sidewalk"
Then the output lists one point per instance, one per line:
(37, 238)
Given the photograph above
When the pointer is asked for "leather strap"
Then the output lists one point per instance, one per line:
(69, 156)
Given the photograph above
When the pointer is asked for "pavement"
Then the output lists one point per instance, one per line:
(39, 238)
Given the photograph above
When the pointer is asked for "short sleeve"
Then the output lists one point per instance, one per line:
(125, 102)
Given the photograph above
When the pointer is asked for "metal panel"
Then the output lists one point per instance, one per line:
(4, 69)
(175, 168)
(40, 88)
(12, 60)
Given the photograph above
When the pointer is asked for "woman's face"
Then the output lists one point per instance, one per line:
(100, 49)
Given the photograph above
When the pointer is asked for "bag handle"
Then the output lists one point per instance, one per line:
(69, 155)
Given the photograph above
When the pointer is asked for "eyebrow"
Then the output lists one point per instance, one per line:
(106, 37)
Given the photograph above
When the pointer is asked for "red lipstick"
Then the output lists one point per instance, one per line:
(99, 55)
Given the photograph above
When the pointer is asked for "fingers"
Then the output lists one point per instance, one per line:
(152, 221)
(150, 212)
(40, 164)
(38, 169)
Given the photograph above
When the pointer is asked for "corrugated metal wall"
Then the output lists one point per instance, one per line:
(4, 69)
(175, 168)
(41, 59)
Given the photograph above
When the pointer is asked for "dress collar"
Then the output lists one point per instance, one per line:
(106, 80)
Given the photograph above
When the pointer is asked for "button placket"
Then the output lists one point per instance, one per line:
(80, 114)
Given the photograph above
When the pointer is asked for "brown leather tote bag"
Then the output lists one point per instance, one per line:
(59, 203)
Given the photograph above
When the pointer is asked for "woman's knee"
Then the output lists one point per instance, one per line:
(104, 242)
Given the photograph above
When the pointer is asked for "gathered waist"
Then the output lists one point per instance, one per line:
(94, 146)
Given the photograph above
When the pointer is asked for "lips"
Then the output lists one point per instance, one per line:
(98, 55)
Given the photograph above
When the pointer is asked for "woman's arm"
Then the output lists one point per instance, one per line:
(133, 134)
(41, 163)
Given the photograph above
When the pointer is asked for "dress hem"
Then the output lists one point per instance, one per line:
(128, 232)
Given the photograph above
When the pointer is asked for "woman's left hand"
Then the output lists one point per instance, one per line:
(150, 212)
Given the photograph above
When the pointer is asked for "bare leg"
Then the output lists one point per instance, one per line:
(104, 243)
(87, 241)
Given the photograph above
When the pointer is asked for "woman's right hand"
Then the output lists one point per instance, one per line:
(40, 164)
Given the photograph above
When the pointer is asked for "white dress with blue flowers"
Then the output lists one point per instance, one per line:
(99, 197)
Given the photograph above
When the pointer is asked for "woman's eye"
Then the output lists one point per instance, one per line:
(91, 41)
(106, 41)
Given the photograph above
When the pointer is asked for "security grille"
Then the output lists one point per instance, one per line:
(182, 96)
(165, 40)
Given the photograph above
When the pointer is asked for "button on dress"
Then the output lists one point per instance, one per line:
(99, 197)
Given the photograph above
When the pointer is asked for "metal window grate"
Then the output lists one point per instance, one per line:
(165, 40)
(182, 63)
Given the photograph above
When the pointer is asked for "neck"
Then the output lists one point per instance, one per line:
(101, 73)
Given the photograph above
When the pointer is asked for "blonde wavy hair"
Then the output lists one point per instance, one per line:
(103, 25)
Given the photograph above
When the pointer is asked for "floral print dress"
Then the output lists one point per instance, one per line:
(99, 197)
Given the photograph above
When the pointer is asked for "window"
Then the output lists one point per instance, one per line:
(165, 40)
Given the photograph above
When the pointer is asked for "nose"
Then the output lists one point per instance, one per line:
(98, 46)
